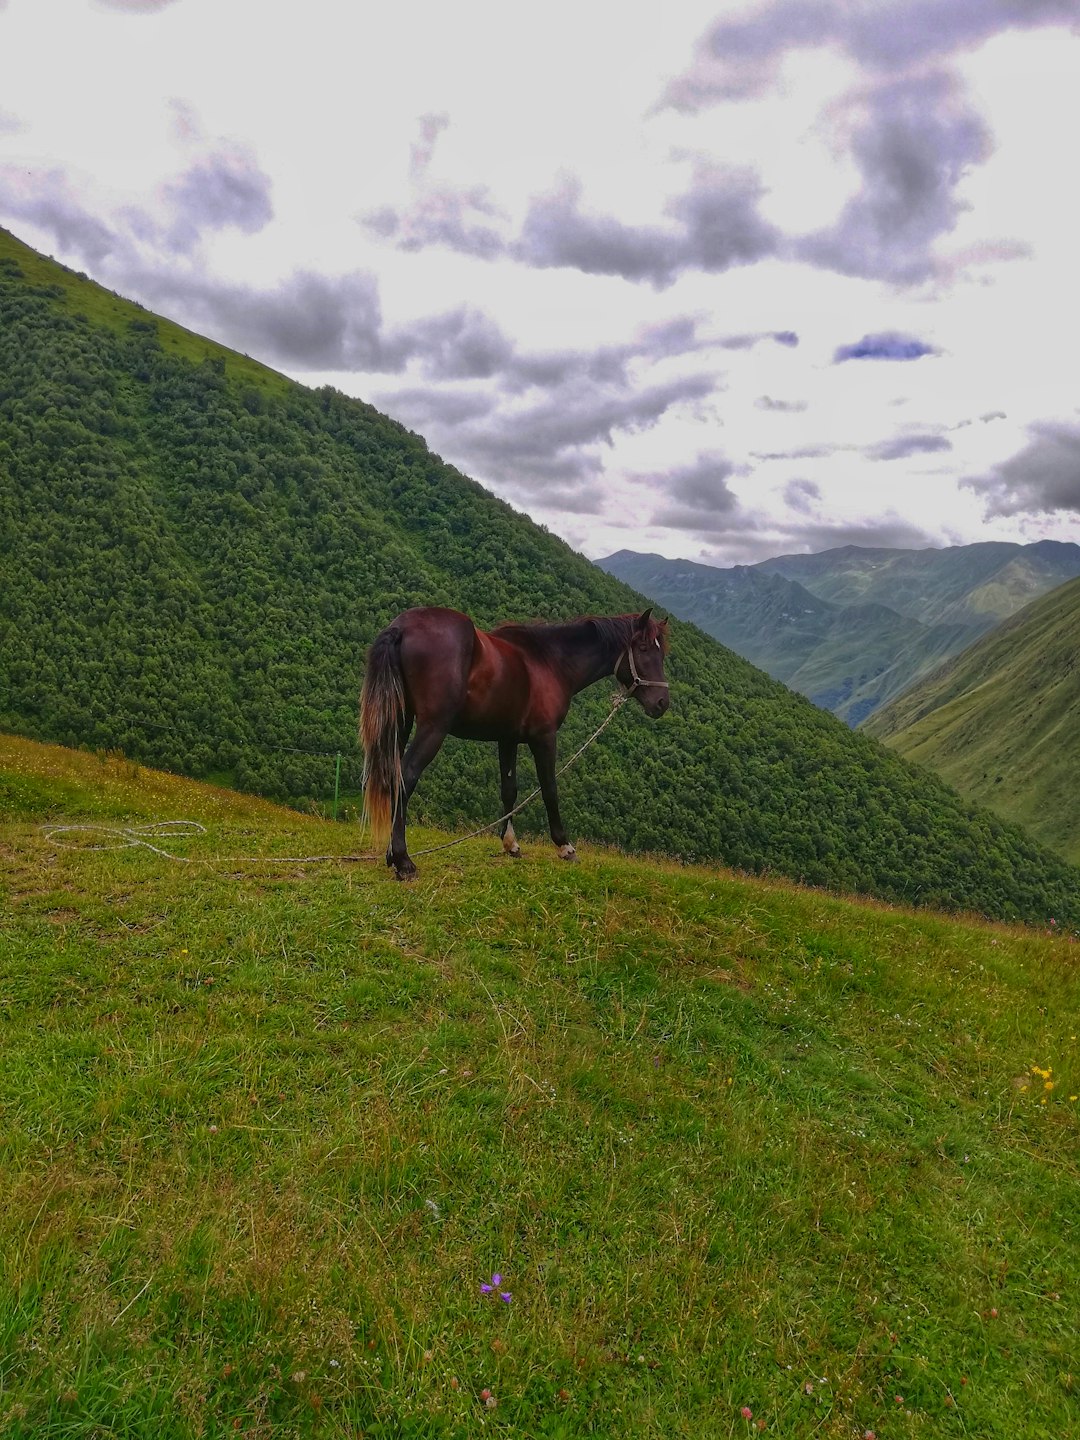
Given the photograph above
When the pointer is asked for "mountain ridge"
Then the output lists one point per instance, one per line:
(855, 657)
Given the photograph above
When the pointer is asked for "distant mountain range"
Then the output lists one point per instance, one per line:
(1001, 722)
(853, 627)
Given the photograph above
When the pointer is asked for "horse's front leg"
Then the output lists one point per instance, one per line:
(543, 751)
(508, 789)
(419, 755)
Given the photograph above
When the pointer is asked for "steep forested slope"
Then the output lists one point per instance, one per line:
(195, 553)
(1001, 722)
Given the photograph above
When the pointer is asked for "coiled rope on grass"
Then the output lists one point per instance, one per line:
(130, 837)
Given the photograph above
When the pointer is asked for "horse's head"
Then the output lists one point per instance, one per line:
(641, 667)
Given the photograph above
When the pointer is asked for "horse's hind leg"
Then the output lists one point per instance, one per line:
(508, 787)
(419, 755)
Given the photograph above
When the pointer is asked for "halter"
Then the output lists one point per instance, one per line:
(639, 683)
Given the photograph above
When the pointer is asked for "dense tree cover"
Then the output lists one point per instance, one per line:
(193, 565)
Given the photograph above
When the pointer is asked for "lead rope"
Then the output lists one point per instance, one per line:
(134, 836)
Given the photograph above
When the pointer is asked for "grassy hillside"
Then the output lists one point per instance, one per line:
(1001, 722)
(195, 558)
(852, 628)
(266, 1129)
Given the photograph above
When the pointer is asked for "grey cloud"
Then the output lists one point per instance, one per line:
(747, 342)
(454, 219)
(423, 148)
(134, 7)
(1041, 478)
(9, 124)
(746, 538)
(703, 483)
(321, 322)
(549, 450)
(606, 364)
(722, 224)
(900, 447)
(545, 370)
(992, 415)
(677, 336)
(916, 139)
(698, 496)
(803, 452)
(462, 344)
(49, 204)
(578, 498)
(384, 224)
(718, 226)
(584, 415)
(557, 233)
(801, 494)
(310, 321)
(887, 532)
(913, 136)
(217, 191)
(698, 522)
(784, 407)
(421, 408)
(885, 345)
(740, 58)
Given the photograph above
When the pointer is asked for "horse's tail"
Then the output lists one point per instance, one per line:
(382, 710)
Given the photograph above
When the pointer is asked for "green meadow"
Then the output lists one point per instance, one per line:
(732, 1146)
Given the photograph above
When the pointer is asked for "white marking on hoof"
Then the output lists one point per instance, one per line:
(510, 845)
(567, 852)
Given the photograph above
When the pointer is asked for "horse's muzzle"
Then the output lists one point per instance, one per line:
(655, 704)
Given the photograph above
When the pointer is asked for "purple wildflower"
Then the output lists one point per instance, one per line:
(493, 1287)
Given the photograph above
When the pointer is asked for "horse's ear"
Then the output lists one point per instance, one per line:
(642, 620)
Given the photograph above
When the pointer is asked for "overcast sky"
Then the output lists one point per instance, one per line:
(717, 280)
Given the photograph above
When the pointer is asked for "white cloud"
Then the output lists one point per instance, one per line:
(381, 199)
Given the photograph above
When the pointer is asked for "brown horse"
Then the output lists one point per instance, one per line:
(512, 685)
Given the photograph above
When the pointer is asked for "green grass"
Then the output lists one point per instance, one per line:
(265, 1129)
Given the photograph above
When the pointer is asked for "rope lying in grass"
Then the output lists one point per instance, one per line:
(129, 837)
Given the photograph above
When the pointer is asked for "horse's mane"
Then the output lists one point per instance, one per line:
(540, 636)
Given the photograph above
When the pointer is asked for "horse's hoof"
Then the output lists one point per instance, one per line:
(514, 852)
(567, 852)
(405, 871)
